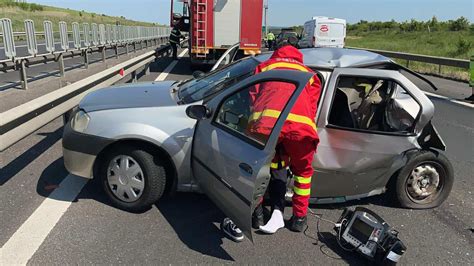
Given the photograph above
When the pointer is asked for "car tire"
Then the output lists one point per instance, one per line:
(425, 171)
(153, 174)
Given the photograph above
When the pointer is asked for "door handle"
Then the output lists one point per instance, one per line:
(246, 168)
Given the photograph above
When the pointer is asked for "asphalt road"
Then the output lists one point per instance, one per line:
(185, 228)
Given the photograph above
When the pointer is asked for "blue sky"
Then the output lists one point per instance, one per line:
(290, 12)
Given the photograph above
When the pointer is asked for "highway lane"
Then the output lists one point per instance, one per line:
(184, 228)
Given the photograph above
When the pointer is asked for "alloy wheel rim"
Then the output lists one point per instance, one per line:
(125, 178)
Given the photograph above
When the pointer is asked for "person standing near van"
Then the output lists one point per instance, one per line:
(175, 39)
(270, 40)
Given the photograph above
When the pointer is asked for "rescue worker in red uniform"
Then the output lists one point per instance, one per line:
(298, 138)
(297, 142)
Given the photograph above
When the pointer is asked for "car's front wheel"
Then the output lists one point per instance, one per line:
(132, 178)
(425, 182)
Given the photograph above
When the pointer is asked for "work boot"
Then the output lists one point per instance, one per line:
(298, 224)
(257, 217)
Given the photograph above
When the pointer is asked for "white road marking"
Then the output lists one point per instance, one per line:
(167, 70)
(23, 244)
(449, 99)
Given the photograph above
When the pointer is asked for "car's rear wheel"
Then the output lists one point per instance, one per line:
(132, 178)
(425, 182)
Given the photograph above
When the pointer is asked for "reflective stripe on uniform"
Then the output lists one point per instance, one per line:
(291, 117)
(288, 65)
(302, 191)
(277, 165)
(302, 179)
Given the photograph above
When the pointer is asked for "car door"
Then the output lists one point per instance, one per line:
(353, 161)
(227, 58)
(230, 163)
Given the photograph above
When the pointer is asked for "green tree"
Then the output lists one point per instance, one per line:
(433, 24)
(459, 24)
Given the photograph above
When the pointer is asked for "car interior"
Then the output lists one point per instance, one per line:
(236, 111)
(373, 104)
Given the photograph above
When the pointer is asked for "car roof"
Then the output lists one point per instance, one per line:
(330, 58)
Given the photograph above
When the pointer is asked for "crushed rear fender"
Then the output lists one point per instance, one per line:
(430, 138)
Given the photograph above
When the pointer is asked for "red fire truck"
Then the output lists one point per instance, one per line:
(216, 25)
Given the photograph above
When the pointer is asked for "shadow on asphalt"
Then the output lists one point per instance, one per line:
(192, 217)
(19, 163)
(51, 177)
(329, 247)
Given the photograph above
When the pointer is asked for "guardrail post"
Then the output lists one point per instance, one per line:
(116, 51)
(134, 76)
(147, 69)
(86, 58)
(103, 54)
(408, 63)
(61, 64)
(23, 76)
(439, 69)
(126, 48)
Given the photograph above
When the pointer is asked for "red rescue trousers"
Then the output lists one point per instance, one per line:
(298, 155)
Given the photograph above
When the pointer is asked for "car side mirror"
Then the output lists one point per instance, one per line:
(198, 112)
(198, 74)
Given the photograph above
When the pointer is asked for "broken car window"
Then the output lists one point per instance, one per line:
(373, 104)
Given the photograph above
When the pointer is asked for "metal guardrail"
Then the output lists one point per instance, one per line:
(21, 121)
(440, 61)
(85, 38)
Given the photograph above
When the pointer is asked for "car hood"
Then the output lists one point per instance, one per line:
(136, 95)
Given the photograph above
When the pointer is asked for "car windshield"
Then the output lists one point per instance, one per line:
(288, 34)
(197, 89)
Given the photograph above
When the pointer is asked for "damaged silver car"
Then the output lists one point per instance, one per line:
(144, 139)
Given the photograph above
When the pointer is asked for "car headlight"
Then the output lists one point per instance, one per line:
(80, 121)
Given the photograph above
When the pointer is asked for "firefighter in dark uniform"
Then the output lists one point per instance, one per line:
(175, 38)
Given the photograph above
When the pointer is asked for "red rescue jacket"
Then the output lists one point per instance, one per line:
(269, 99)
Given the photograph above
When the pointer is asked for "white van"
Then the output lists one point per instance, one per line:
(323, 32)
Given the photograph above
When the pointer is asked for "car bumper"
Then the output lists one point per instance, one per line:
(78, 163)
(81, 150)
